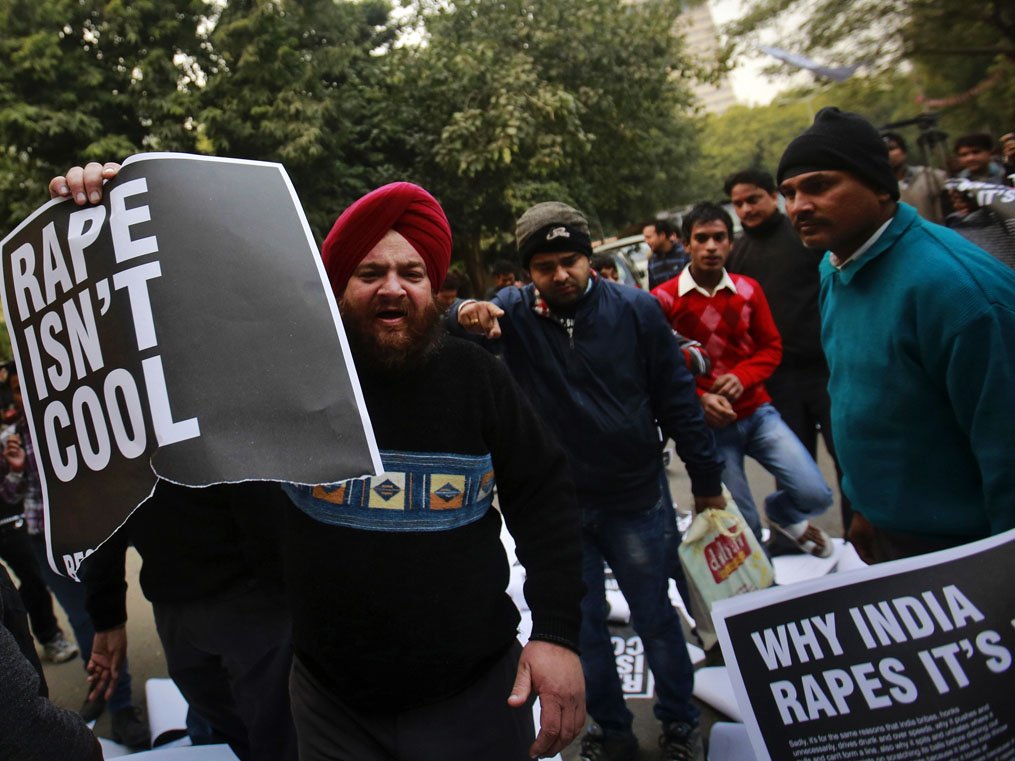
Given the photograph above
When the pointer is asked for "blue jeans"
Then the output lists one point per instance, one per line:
(802, 492)
(71, 596)
(637, 545)
(673, 538)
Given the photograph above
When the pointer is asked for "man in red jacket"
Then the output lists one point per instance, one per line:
(730, 316)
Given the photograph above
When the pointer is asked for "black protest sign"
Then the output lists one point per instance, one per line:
(182, 329)
(905, 661)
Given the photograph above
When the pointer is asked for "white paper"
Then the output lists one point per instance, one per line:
(791, 569)
(190, 753)
(729, 742)
(712, 685)
(167, 708)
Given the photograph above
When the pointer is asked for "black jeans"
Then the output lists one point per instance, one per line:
(799, 391)
(230, 656)
(476, 724)
(16, 551)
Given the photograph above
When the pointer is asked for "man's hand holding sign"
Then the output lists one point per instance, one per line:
(140, 307)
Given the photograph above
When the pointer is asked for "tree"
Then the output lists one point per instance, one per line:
(961, 54)
(507, 102)
(84, 80)
(298, 83)
(755, 137)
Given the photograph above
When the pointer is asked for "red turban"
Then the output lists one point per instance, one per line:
(401, 206)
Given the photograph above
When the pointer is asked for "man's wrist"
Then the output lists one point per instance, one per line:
(460, 306)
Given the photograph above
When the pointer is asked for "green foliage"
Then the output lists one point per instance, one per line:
(495, 105)
(509, 102)
(755, 137)
(6, 352)
(948, 47)
(295, 82)
(85, 80)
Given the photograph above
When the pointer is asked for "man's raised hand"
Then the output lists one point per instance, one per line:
(83, 184)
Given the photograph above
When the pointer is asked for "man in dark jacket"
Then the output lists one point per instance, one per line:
(604, 371)
(668, 255)
(31, 727)
(770, 251)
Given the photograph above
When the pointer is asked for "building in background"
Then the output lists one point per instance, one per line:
(702, 40)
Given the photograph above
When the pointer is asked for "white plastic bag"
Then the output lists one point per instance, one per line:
(721, 558)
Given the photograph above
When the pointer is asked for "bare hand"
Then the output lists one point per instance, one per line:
(709, 503)
(728, 385)
(555, 674)
(718, 411)
(83, 184)
(109, 649)
(14, 454)
(480, 317)
(861, 536)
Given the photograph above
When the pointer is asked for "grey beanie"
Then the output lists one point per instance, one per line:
(551, 227)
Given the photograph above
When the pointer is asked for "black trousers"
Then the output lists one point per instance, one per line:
(475, 725)
(16, 551)
(230, 657)
(799, 391)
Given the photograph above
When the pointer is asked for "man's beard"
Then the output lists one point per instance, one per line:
(393, 351)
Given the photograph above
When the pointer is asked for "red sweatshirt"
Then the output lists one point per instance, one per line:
(736, 329)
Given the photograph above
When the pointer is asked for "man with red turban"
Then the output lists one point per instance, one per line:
(404, 638)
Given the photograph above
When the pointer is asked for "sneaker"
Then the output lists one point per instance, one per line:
(681, 742)
(91, 710)
(129, 730)
(812, 541)
(59, 649)
(598, 747)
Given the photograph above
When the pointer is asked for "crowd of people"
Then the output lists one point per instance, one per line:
(843, 310)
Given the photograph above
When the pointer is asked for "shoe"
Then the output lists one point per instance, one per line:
(681, 742)
(129, 730)
(813, 541)
(59, 649)
(91, 710)
(598, 747)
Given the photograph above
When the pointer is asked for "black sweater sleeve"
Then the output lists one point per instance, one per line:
(105, 578)
(538, 502)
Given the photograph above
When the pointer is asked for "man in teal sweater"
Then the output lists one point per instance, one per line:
(918, 326)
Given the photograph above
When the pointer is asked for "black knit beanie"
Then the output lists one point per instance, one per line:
(844, 141)
(551, 227)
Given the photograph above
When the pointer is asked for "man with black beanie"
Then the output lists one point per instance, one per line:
(770, 251)
(918, 326)
(604, 371)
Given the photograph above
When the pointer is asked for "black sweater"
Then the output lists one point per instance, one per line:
(400, 613)
(195, 543)
(772, 254)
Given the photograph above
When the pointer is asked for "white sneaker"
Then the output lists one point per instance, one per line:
(59, 649)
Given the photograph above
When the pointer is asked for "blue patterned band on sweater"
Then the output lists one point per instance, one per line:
(418, 491)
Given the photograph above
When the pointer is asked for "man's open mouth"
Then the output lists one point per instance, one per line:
(391, 314)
